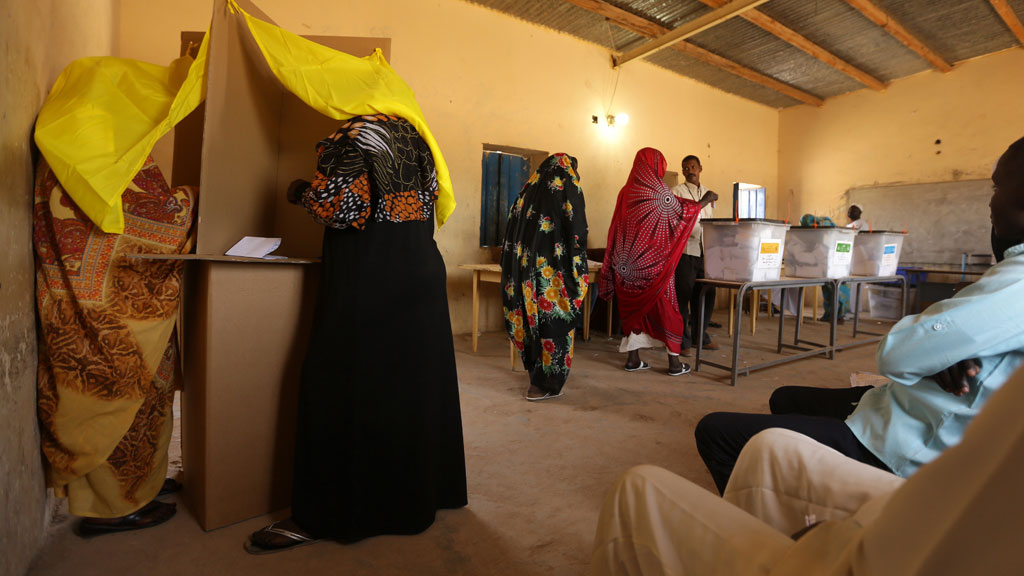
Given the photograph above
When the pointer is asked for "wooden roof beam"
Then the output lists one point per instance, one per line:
(787, 34)
(1011, 19)
(649, 29)
(691, 28)
(890, 25)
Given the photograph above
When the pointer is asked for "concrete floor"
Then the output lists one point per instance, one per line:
(537, 472)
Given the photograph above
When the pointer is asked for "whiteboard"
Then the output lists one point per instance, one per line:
(943, 220)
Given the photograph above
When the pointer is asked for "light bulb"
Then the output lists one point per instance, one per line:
(622, 119)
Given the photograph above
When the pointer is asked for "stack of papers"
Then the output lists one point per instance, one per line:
(256, 247)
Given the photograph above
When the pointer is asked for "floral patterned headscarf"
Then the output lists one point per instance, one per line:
(544, 270)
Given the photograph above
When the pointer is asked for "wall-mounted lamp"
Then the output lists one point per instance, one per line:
(611, 120)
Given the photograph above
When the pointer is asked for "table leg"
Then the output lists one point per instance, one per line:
(586, 316)
(815, 317)
(834, 327)
(611, 307)
(856, 313)
(796, 329)
(800, 312)
(782, 317)
(697, 332)
(755, 307)
(511, 356)
(736, 333)
(476, 306)
(732, 309)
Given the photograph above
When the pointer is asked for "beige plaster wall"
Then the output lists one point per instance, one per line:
(483, 77)
(39, 39)
(871, 138)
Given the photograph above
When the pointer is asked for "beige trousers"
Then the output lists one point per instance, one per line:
(654, 522)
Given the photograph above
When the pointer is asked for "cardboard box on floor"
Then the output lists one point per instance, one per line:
(246, 322)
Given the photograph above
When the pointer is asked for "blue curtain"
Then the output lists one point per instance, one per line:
(504, 175)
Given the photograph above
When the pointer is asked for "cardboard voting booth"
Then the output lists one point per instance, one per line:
(247, 112)
(247, 320)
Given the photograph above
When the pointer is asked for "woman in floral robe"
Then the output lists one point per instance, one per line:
(544, 273)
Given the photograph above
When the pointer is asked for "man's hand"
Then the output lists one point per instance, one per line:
(956, 378)
(295, 190)
(708, 198)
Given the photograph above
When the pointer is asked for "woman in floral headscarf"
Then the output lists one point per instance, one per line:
(544, 273)
(646, 238)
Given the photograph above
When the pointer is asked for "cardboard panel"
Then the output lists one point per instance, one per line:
(246, 354)
(301, 128)
(188, 134)
(240, 139)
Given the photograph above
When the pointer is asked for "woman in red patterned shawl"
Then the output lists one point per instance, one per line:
(646, 238)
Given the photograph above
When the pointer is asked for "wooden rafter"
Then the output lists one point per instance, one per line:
(697, 25)
(1011, 19)
(890, 25)
(650, 29)
(786, 33)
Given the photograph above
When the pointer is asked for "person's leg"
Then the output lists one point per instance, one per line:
(709, 303)
(810, 401)
(676, 367)
(790, 480)
(654, 522)
(633, 360)
(686, 274)
(721, 437)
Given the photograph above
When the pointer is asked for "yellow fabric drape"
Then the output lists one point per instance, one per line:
(341, 86)
(101, 120)
(104, 114)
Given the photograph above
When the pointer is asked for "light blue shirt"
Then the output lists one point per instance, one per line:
(911, 420)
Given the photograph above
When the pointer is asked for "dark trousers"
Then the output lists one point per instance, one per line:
(819, 413)
(688, 270)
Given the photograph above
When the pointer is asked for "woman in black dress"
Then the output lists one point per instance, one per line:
(379, 435)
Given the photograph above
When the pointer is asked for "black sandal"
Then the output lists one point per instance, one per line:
(152, 514)
(170, 486)
(294, 540)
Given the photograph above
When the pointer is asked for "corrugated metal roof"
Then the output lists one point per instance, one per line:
(954, 29)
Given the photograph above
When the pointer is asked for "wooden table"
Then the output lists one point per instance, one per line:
(492, 273)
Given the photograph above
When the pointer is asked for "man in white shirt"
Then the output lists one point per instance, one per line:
(691, 264)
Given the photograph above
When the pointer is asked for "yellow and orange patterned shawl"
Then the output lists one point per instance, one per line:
(106, 352)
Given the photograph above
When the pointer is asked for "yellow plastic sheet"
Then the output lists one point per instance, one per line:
(341, 86)
(102, 118)
(104, 114)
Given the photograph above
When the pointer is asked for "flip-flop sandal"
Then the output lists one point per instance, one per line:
(685, 369)
(546, 396)
(170, 486)
(137, 520)
(643, 366)
(295, 540)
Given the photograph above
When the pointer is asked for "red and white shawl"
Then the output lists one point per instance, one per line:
(646, 238)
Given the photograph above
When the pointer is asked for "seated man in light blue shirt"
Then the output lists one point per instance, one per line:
(943, 364)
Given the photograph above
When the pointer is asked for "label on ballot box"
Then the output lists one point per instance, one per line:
(843, 253)
(769, 254)
(889, 260)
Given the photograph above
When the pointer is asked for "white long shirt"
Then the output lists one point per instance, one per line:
(695, 245)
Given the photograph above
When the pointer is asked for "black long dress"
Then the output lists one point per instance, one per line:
(379, 442)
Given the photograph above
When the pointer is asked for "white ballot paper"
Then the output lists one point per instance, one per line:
(255, 247)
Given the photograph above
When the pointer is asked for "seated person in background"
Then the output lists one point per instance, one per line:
(943, 365)
(854, 214)
(953, 517)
